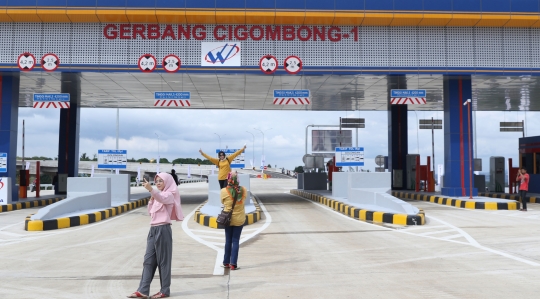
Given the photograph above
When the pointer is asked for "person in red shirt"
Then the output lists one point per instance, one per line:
(523, 178)
(330, 168)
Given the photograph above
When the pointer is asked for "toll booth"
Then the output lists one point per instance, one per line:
(496, 174)
(529, 158)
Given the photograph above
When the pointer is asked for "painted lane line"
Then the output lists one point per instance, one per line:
(436, 232)
(18, 223)
(65, 231)
(451, 237)
(218, 270)
(472, 242)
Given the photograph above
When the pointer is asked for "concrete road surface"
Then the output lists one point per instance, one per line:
(299, 250)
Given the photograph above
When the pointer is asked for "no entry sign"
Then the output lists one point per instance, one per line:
(50, 62)
(268, 64)
(147, 63)
(171, 63)
(26, 62)
(293, 65)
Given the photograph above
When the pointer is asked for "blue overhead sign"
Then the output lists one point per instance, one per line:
(291, 93)
(408, 93)
(172, 95)
(51, 97)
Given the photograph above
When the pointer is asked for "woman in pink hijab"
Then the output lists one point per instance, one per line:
(164, 206)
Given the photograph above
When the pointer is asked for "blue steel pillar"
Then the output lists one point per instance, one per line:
(9, 113)
(397, 135)
(68, 136)
(457, 89)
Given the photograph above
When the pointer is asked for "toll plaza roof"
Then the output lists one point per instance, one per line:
(255, 92)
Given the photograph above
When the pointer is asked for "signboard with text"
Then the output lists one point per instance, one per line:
(349, 156)
(112, 159)
(3, 162)
(238, 162)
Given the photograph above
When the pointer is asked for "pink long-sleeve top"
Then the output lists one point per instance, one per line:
(164, 206)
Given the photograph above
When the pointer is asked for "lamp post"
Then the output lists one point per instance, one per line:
(468, 103)
(159, 158)
(219, 139)
(262, 132)
(253, 146)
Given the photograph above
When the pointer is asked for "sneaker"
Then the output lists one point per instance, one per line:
(233, 267)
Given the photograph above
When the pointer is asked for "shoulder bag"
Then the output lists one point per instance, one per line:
(224, 218)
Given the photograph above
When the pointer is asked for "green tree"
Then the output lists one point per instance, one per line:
(299, 169)
(269, 165)
(132, 160)
(84, 157)
(163, 160)
(95, 157)
(143, 160)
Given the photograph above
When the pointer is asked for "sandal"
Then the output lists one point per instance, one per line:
(159, 295)
(137, 294)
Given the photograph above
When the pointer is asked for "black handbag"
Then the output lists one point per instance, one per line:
(224, 218)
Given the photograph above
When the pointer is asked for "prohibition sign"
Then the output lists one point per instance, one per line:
(171, 63)
(268, 64)
(147, 63)
(50, 62)
(293, 65)
(26, 62)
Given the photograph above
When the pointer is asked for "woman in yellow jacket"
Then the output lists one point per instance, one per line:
(223, 164)
(232, 232)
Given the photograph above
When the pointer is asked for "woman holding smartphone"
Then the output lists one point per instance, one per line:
(164, 206)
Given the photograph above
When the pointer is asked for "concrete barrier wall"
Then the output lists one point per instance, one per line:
(340, 184)
(120, 187)
(83, 194)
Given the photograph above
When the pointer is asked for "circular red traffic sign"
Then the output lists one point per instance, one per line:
(293, 65)
(26, 62)
(268, 64)
(50, 62)
(171, 63)
(147, 63)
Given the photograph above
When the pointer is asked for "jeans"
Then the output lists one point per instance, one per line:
(232, 244)
(222, 183)
(522, 194)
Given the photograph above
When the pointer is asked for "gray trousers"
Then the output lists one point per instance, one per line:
(158, 255)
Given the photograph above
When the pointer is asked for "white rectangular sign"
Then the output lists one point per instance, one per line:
(3, 162)
(112, 159)
(217, 54)
(349, 156)
(5, 191)
(238, 162)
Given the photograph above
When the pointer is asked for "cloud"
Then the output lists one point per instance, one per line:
(183, 131)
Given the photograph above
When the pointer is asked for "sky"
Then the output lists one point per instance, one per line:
(182, 132)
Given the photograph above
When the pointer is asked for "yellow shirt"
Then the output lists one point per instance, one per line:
(223, 165)
(239, 213)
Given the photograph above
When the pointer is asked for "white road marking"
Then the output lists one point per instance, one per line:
(471, 240)
(436, 232)
(218, 270)
(18, 223)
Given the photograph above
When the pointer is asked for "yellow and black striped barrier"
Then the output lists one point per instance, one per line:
(530, 199)
(58, 223)
(364, 215)
(29, 204)
(458, 203)
(210, 221)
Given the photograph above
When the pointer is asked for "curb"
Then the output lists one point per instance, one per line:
(364, 215)
(458, 203)
(530, 199)
(29, 204)
(210, 221)
(58, 223)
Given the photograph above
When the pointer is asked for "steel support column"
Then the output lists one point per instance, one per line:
(68, 139)
(457, 89)
(397, 135)
(9, 114)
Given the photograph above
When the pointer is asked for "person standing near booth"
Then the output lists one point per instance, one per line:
(224, 164)
(523, 178)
